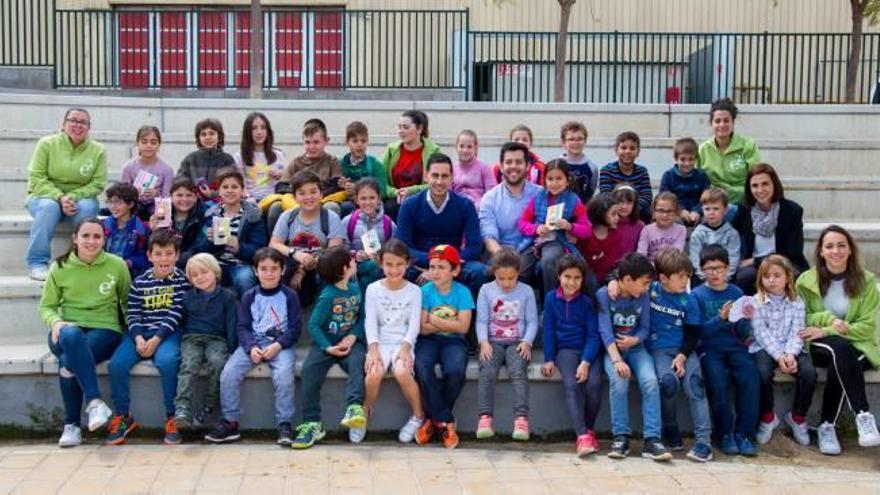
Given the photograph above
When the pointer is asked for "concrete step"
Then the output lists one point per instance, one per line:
(29, 373)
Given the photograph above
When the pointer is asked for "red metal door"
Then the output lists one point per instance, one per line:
(328, 49)
(242, 49)
(212, 49)
(288, 49)
(134, 49)
(173, 50)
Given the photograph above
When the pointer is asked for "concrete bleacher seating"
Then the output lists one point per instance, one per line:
(827, 157)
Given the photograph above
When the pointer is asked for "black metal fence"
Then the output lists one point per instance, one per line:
(337, 49)
(26, 32)
(673, 67)
(303, 49)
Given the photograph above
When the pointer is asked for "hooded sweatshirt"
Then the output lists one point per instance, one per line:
(57, 168)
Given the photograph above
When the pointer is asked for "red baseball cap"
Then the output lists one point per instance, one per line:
(445, 252)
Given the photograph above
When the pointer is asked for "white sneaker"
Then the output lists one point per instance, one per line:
(356, 435)
(70, 437)
(798, 430)
(867, 426)
(828, 443)
(38, 273)
(408, 432)
(765, 430)
(99, 414)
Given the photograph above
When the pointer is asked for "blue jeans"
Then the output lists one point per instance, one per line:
(78, 351)
(694, 390)
(47, 214)
(719, 366)
(239, 277)
(451, 353)
(642, 367)
(166, 359)
(282, 380)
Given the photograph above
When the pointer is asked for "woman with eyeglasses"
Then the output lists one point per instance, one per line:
(67, 172)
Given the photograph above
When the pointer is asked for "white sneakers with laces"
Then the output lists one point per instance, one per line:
(98, 413)
(70, 437)
(867, 426)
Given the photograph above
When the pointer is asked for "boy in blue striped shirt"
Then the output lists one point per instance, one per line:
(155, 310)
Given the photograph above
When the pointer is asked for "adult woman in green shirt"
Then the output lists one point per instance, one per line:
(84, 298)
(67, 172)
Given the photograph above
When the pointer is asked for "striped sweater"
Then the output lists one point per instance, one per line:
(611, 175)
(155, 306)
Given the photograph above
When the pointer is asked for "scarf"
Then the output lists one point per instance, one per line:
(764, 222)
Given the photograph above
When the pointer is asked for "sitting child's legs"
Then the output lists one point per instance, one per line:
(314, 372)
(120, 366)
(216, 355)
(166, 360)
(642, 366)
(746, 381)
(236, 367)
(192, 356)
(517, 368)
(669, 386)
(488, 376)
(575, 393)
(282, 367)
(716, 373)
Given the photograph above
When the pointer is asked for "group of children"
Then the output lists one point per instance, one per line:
(333, 242)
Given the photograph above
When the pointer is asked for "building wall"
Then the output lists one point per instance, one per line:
(596, 15)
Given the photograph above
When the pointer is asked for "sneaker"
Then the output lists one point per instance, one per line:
(203, 416)
(408, 432)
(746, 446)
(521, 428)
(172, 434)
(765, 430)
(307, 434)
(673, 441)
(183, 418)
(425, 432)
(285, 434)
(70, 437)
(701, 452)
(354, 417)
(120, 427)
(867, 426)
(484, 427)
(729, 445)
(619, 447)
(586, 444)
(99, 414)
(356, 435)
(798, 430)
(226, 431)
(450, 437)
(828, 443)
(655, 450)
(39, 273)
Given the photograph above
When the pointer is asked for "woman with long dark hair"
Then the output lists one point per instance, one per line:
(842, 301)
(405, 161)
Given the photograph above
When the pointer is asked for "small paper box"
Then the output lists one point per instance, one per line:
(145, 181)
(371, 242)
(220, 227)
(554, 213)
(163, 212)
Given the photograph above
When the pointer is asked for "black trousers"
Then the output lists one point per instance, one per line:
(805, 382)
(846, 375)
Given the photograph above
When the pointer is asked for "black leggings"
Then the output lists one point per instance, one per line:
(846, 375)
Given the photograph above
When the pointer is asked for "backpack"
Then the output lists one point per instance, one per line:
(352, 223)
(325, 220)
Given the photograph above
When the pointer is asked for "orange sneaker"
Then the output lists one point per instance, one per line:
(425, 432)
(172, 434)
(450, 437)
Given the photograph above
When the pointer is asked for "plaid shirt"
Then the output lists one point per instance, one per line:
(776, 324)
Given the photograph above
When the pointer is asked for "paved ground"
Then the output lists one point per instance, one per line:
(390, 469)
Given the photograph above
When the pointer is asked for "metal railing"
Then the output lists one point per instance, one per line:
(26, 32)
(621, 67)
(303, 49)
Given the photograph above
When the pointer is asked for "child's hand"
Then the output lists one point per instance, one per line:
(275, 174)
(622, 369)
(205, 190)
(424, 277)
(373, 361)
(232, 244)
(348, 341)
(678, 364)
(150, 346)
(406, 358)
(401, 195)
(148, 194)
(694, 217)
(154, 222)
(562, 224)
(271, 351)
(582, 372)
(626, 342)
(140, 345)
(542, 230)
(210, 233)
(485, 351)
(748, 311)
(840, 325)
(725, 310)
(56, 330)
(613, 290)
(337, 350)
(548, 369)
(256, 355)
(811, 333)
(525, 350)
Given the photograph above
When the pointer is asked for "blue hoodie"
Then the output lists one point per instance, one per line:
(571, 324)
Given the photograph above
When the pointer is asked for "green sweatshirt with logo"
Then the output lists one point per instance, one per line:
(89, 295)
(729, 170)
(57, 168)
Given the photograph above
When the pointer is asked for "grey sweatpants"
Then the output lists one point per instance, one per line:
(504, 354)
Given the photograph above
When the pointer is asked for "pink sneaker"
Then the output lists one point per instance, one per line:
(484, 427)
(587, 444)
(521, 428)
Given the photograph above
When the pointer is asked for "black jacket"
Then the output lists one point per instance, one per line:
(789, 233)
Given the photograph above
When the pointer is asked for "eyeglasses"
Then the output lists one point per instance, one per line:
(714, 269)
(115, 202)
(84, 123)
(663, 211)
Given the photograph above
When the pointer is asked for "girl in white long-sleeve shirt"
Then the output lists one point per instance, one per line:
(392, 311)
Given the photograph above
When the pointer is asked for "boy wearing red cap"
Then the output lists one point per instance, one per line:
(447, 307)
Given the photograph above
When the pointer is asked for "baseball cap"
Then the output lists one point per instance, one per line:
(445, 252)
